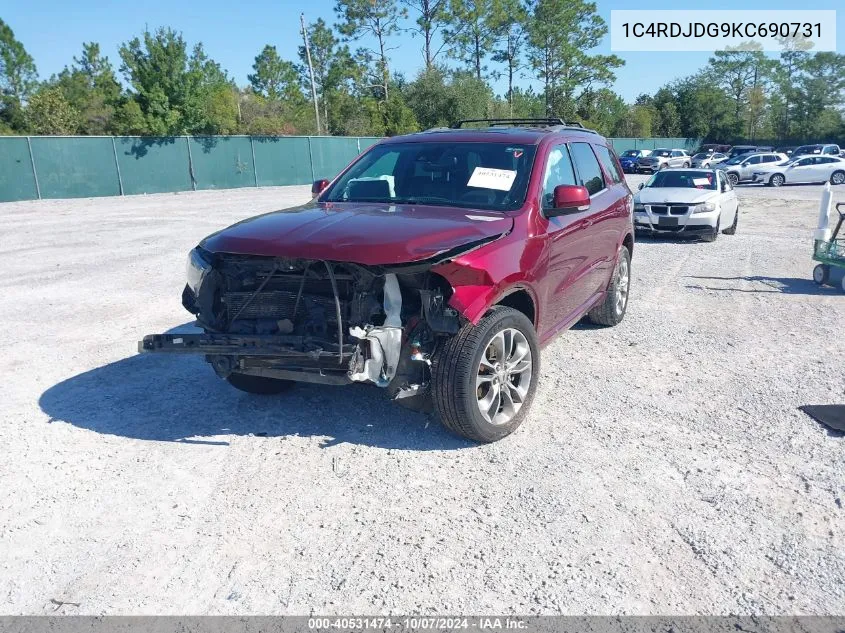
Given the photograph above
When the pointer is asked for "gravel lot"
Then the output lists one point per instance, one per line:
(665, 468)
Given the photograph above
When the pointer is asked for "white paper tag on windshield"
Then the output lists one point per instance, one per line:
(701, 182)
(490, 178)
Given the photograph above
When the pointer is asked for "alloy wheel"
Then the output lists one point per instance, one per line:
(623, 284)
(504, 376)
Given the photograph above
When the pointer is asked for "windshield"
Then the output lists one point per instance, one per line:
(809, 149)
(700, 156)
(484, 175)
(683, 179)
(736, 160)
(662, 152)
(631, 153)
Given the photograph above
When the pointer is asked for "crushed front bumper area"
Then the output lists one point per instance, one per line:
(272, 356)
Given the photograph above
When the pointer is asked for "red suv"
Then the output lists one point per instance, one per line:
(436, 265)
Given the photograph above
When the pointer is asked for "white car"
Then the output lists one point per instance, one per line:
(705, 160)
(741, 168)
(687, 202)
(802, 169)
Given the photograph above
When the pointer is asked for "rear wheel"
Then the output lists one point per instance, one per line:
(837, 178)
(259, 385)
(733, 179)
(821, 274)
(662, 166)
(777, 180)
(686, 165)
(612, 310)
(484, 378)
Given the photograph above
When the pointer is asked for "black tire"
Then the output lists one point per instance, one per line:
(607, 313)
(454, 372)
(662, 166)
(731, 230)
(711, 237)
(821, 274)
(837, 178)
(733, 179)
(777, 180)
(686, 165)
(259, 385)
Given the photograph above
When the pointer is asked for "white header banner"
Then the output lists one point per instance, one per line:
(694, 30)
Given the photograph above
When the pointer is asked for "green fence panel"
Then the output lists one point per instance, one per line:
(623, 144)
(282, 161)
(222, 162)
(368, 141)
(75, 167)
(17, 182)
(330, 155)
(153, 164)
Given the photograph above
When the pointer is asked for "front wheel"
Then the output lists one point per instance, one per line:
(837, 178)
(777, 180)
(259, 385)
(711, 237)
(484, 378)
(821, 274)
(731, 230)
(612, 310)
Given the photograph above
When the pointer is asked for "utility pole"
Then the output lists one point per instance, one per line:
(311, 71)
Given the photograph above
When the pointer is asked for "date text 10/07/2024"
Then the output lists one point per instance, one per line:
(417, 624)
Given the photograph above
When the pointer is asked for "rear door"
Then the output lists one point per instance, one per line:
(676, 159)
(825, 166)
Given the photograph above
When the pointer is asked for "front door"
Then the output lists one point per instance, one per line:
(570, 277)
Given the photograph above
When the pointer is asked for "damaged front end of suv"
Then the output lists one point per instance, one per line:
(282, 319)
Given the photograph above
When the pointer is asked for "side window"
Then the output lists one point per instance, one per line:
(754, 160)
(588, 167)
(769, 158)
(608, 161)
(805, 161)
(675, 154)
(558, 172)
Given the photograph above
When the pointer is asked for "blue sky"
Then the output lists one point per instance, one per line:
(53, 31)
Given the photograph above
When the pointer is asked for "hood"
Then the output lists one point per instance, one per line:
(662, 195)
(362, 233)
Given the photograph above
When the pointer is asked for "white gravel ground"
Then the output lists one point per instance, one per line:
(665, 467)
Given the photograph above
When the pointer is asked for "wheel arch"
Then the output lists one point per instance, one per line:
(628, 242)
(521, 299)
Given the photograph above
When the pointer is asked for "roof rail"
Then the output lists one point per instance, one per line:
(538, 122)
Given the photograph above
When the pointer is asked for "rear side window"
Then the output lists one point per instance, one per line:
(587, 164)
(608, 160)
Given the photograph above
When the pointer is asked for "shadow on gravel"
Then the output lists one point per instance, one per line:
(180, 399)
(781, 285)
(667, 238)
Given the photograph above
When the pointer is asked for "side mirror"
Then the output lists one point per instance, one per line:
(319, 187)
(641, 185)
(569, 199)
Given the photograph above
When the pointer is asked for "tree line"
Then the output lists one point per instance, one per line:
(172, 88)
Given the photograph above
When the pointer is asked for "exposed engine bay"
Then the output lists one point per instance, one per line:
(314, 320)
